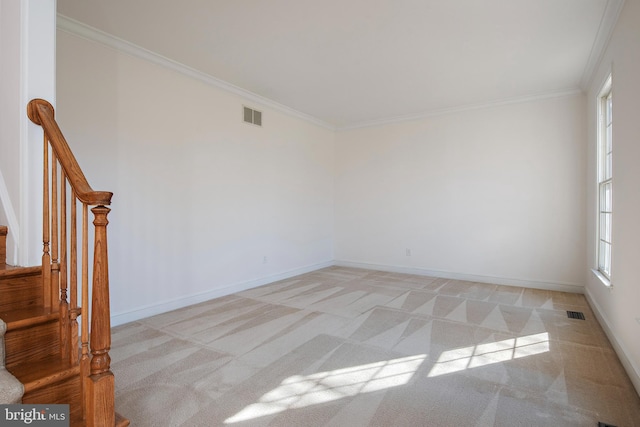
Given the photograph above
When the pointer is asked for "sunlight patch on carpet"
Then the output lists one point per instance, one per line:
(475, 356)
(300, 391)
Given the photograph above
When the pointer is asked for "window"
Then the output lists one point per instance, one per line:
(605, 199)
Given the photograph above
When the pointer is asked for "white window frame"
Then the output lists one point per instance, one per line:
(605, 183)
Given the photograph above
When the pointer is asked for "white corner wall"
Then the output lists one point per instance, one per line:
(494, 194)
(27, 67)
(204, 204)
(10, 83)
(619, 307)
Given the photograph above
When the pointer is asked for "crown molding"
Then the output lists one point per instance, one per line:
(608, 22)
(463, 108)
(87, 32)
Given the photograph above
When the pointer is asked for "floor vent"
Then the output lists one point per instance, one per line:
(601, 424)
(252, 116)
(576, 315)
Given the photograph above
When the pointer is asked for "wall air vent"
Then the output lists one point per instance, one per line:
(252, 116)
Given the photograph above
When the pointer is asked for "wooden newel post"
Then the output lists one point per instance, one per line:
(100, 384)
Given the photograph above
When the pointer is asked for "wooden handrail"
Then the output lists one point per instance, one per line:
(61, 234)
(42, 113)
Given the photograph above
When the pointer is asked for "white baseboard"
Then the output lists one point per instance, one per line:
(632, 369)
(550, 286)
(163, 307)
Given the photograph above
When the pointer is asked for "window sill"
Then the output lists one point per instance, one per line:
(606, 282)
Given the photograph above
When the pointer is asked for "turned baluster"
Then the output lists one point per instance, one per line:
(84, 293)
(65, 344)
(55, 244)
(73, 282)
(100, 384)
(46, 256)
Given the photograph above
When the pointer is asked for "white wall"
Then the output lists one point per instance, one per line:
(200, 198)
(10, 83)
(27, 70)
(494, 194)
(619, 306)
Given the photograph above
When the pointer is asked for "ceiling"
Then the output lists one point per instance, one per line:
(352, 62)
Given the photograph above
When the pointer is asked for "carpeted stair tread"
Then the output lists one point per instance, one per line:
(11, 390)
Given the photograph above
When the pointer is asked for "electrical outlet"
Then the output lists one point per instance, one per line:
(638, 320)
(408, 252)
(264, 259)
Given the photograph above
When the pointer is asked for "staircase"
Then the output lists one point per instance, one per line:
(49, 357)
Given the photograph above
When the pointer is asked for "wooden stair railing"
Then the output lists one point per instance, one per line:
(61, 234)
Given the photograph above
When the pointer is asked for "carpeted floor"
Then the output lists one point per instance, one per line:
(350, 347)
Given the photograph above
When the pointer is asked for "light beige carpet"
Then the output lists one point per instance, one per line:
(350, 347)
